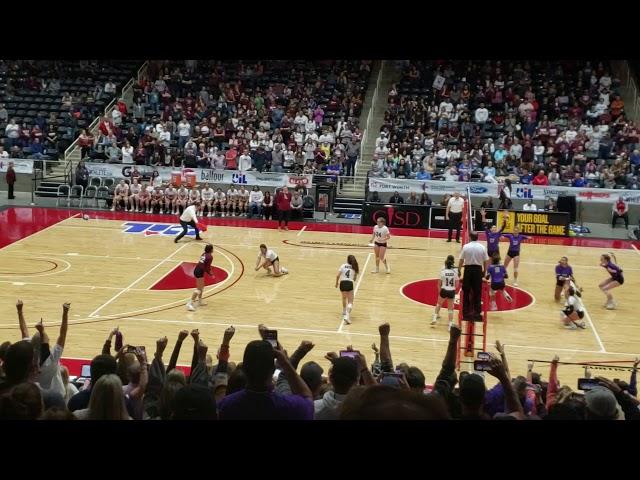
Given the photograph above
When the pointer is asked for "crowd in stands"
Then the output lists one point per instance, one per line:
(267, 383)
(533, 122)
(276, 116)
(45, 104)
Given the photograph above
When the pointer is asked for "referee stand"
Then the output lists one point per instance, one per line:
(473, 337)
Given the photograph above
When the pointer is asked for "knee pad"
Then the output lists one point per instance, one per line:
(198, 291)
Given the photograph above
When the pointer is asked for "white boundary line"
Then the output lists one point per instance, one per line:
(20, 240)
(637, 251)
(301, 231)
(593, 328)
(355, 291)
(137, 280)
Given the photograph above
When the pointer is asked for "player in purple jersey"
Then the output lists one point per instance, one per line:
(497, 273)
(564, 277)
(615, 280)
(493, 234)
(515, 239)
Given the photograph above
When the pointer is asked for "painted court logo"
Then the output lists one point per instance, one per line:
(148, 229)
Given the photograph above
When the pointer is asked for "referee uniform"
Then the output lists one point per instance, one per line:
(474, 258)
(454, 212)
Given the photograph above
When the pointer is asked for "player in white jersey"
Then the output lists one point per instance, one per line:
(120, 194)
(573, 312)
(243, 200)
(232, 200)
(144, 197)
(182, 198)
(219, 199)
(157, 199)
(194, 196)
(267, 259)
(447, 286)
(170, 195)
(134, 196)
(207, 199)
(347, 274)
(379, 242)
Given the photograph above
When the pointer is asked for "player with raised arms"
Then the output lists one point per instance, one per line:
(515, 241)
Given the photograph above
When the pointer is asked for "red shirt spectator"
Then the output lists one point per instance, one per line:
(106, 127)
(123, 108)
(283, 199)
(540, 179)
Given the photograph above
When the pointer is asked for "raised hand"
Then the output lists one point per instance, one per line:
(384, 329)
(195, 333)
(228, 335)
(182, 335)
(496, 368)
(499, 347)
(306, 346)
(374, 348)
(40, 327)
(19, 305)
(161, 344)
(331, 356)
(66, 306)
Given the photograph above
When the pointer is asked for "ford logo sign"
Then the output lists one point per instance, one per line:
(478, 189)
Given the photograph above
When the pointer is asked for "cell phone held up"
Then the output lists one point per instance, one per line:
(481, 365)
(585, 384)
(271, 336)
(349, 353)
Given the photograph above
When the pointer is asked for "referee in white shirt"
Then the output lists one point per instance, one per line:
(187, 219)
(475, 261)
(454, 215)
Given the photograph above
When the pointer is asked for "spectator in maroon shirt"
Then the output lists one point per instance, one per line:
(540, 179)
(283, 202)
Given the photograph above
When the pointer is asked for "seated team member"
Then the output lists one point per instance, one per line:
(620, 210)
(194, 196)
(134, 195)
(144, 199)
(120, 194)
(255, 202)
(530, 206)
(170, 197)
(243, 200)
(157, 199)
(207, 199)
(267, 259)
(296, 205)
(232, 200)
(219, 200)
(182, 198)
(267, 205)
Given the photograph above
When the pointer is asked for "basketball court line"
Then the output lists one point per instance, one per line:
(58, 285)
(301, 231)
(636, 250)
(355, 290)
(137, 280)
(400, 337)
(54, 272)
(593, 328)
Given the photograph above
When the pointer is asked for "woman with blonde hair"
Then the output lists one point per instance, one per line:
(107, 401)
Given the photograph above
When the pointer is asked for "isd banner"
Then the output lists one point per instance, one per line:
(401, 215)
(555, 224)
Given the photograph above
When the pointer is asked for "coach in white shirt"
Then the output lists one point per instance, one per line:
(530, 206)
(475, 260)
(187, 219)
(454, 215)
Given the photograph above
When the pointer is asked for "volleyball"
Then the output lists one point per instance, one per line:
(85, 217)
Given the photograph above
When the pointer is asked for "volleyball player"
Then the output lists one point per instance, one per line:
(207, 199)
(493, 234)
(170, 195)
(615, 280)
(347, 274)
(232, 200)
(182, 199)
(515, 240)
(447, 286)
(120, 194)
(573, 312)
(143, 199)
(203, 266)
(194, 196)
(564, 278)
(157, 199)
(267, 259)
(219, 200)
(134, 196)
(379, 239)
(497, 273)
(243, 200)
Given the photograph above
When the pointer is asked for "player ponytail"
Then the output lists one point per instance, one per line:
(208, 248)
(495, 258)
(450, 262)
(351, 260)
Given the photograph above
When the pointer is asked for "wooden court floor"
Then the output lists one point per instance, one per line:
(106, 274)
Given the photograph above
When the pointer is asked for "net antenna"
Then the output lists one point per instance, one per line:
(470, 223)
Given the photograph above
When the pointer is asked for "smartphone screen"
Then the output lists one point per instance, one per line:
(86, 371)
(481, 365)
(271, 336)
(349, 353)
(484, 356)
(587, 383)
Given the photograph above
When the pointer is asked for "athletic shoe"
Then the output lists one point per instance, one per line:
(149, 211)
(582, 325)
(448, 241)
(571, 326)
(200, 303)
(284, 270)
(222, 215)
(198, 238)
(286, 228)
(515, 284)
(346, 320)
(507, 297)
(375, 271)
(434, 319)
(493, 307)
(175, 240)
(113, 209)
(190, 307)
(457, 241)
(388, 268)
(611, 306)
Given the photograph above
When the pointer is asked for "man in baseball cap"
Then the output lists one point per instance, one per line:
(602, 405)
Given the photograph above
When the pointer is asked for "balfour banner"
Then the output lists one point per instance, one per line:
(523, 192)
(202, 175)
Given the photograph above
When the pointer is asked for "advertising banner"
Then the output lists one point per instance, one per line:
(20, 165)
(404, 216)
(555, 224)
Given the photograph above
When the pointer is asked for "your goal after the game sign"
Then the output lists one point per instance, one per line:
(554, 224)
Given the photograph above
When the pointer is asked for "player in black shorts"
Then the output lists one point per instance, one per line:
(347, 274)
